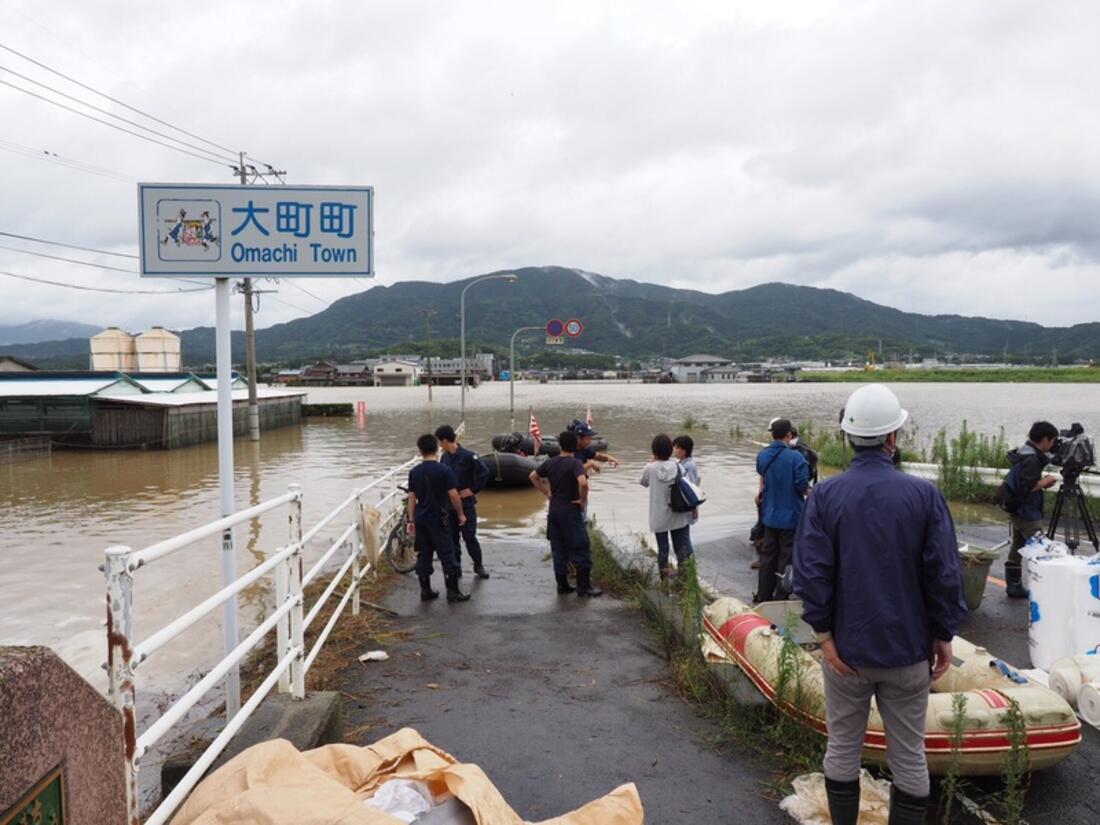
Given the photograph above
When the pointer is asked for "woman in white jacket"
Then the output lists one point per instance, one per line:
(659, 476)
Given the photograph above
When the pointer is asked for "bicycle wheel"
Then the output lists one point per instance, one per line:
(401, 548)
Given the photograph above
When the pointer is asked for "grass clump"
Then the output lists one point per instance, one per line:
(1014, 767)
(952, 783)
(693, 423)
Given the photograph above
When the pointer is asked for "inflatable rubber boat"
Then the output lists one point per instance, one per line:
(752, 638)
(525, 445)
(508, 469)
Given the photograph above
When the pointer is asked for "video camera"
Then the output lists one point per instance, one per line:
(1073, 451)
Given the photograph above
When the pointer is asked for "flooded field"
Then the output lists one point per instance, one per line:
(62, 511)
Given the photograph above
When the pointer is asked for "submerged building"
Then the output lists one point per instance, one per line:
(156, 350)
(116, 409)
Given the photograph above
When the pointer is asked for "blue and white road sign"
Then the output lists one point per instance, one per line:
(239, 231)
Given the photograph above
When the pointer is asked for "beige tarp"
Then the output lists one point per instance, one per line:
(273, 783)
(369, 522)
(809, 805)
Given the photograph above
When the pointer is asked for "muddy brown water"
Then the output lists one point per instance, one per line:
(62, 510)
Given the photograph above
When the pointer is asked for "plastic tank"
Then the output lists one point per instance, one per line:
(158, 350)
(113, 351)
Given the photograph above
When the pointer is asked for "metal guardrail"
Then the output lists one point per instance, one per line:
(288, 618)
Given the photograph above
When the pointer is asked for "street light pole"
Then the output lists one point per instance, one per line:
(505, 276)
(512, 373)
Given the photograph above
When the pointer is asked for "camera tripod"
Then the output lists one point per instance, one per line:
(1072, 496)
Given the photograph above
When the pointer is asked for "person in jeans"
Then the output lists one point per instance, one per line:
(563, 480)
(1025, 484)
(876, 564)
(784, 479)
(659, 476)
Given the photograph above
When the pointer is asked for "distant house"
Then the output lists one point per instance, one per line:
(397, 374)
(690, 370)
(359, 374)
(285, 377)
(719, 375)
(9, 363)
(320, 374)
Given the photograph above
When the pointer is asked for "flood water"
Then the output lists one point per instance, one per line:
(62, 511)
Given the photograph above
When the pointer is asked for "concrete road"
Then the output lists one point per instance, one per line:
(558, 699)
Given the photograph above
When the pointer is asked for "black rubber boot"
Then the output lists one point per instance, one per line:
(906, 809)
(843, 801)
(563, 584)
(453, 593)
(480, 571)
(426, 592)
(584, 583)
(1014, 581)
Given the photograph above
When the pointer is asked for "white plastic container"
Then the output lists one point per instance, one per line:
(1065, 607)
(1036, 546)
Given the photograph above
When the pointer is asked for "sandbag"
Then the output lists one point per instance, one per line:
(276, 784)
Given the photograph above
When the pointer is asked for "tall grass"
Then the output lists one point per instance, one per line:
(958, 456)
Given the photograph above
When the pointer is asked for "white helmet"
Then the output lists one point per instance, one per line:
(871, 414)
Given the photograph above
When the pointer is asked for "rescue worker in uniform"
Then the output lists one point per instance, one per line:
(471, 476)
(876, 565)
(433, 492)
(588, 455)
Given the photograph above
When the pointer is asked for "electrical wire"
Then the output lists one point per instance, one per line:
(114, 100)
(307, 292)
(89, 263)
(100, 288)
(115, 126)
(287, 303)
(69, 246)
(109, 113)
(70, 163)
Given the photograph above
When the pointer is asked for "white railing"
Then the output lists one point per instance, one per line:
(288, 618)
(992, 476)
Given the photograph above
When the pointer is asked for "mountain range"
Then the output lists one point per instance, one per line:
(33, 332)
(622, 317)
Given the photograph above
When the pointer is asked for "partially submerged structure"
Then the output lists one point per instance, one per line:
(115, 409)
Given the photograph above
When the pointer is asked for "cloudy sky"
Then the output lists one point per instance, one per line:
(933, 156)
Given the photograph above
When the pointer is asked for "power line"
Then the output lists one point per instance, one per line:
(113, 99)
(89, 263)
(287, 303)
(307, 292)
(114, 126)
(100, 288)
(109, 113)
(69, 246)
(70, 163)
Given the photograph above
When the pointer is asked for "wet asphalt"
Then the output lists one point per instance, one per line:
(558, 699)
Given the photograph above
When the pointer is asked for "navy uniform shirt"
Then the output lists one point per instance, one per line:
(563, 472)
(585, 455)
(876, 563)
(469, 472)
(431, 482)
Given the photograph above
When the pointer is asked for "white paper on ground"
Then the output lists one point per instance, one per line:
(809, 804)
(374, 656)
(404, 799)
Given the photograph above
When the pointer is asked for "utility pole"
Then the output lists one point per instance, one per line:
(427, 313)
(250, 339)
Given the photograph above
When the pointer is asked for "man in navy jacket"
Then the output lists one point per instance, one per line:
(876, 564)
(471, 476)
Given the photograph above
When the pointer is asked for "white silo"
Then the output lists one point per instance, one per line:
(158, 350)
(113, 351)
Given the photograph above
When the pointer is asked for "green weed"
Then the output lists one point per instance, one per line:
(1014, 767)
(951, 783)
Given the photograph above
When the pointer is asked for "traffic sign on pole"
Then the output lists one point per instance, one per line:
(555, 328)
(573, 327)
(555, 339)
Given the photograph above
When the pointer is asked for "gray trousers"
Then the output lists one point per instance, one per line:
(902, 698)
(1022, 530)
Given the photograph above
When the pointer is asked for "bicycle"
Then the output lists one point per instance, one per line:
(401, 545)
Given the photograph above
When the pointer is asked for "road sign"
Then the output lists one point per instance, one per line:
(505, 375)
(555, 339)
(573, 327)
(555, 328)
(239, 231)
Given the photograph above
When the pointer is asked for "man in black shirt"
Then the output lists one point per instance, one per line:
(471, 476)
(588, 455)
(432, 491)
(562, 479)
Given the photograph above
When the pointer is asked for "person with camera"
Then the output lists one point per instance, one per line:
(1021, 496)
(876, 564)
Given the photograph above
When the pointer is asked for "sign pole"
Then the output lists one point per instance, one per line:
(223, 345)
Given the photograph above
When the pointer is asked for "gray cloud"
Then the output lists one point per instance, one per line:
(935, 156)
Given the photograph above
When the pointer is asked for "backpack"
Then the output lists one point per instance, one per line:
(684, 496)
(1009, 497)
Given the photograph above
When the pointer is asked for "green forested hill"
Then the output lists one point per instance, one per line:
(627, 318)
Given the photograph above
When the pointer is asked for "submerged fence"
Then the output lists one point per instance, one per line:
(289, 619)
